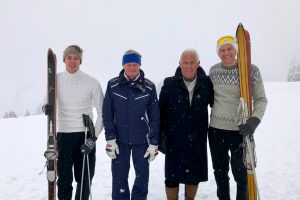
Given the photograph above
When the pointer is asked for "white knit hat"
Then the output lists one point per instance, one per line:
(227, 40)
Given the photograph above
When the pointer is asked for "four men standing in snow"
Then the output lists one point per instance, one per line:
(137, 124)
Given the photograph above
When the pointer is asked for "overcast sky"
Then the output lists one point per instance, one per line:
(159, 29)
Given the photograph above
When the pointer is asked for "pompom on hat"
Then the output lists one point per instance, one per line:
(227, 40)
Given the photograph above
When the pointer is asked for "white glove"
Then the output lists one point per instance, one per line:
(112, 149)
(151, 152)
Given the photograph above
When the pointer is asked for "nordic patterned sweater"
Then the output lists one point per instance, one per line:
(227, 96)
(77, 94)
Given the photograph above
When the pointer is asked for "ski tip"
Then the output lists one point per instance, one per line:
(240, 26)
(51, 55)
(240, 30)
(50, 50)
(247, 33)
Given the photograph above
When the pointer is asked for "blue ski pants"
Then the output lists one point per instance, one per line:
(120, 170)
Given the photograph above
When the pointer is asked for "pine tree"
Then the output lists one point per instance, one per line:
(294, 71)
(27, 113)
(6, 115)
(12, 114)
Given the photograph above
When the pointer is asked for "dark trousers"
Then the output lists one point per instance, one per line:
(221, 142)
(69, 157)
(120, 169)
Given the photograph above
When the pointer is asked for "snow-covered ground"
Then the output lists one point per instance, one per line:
(23, 142)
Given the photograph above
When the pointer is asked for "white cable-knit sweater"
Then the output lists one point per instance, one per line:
(77, 94)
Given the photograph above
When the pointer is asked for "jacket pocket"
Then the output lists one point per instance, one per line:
(119, 95)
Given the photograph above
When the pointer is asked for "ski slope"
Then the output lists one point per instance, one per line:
(23, 142)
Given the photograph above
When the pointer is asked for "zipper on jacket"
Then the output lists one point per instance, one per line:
(119, 95)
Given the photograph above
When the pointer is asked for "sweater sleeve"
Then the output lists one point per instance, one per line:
(259, 97)
(97, 100)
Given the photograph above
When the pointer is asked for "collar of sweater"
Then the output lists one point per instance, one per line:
(190, 84)
(229, 67)
(75, 75)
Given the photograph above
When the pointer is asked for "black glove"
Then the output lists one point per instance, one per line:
(87, 122)
(249, 127)
(47, 109)
(88, 146)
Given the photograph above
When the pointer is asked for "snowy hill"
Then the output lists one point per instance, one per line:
(23, 142)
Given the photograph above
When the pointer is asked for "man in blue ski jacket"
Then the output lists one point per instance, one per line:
(131, 121)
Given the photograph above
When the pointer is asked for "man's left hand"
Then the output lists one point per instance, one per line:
(151, 152)
(249, 127)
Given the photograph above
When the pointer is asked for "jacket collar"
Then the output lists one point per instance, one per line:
(138, 83)
(200, 74)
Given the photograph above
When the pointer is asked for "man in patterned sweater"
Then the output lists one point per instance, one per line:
(224, 134)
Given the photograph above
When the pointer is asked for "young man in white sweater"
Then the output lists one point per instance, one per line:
(77, 94)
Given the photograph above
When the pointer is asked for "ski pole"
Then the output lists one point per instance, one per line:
(82, 175)
(88, 169)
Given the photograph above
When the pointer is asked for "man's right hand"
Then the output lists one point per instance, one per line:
(88, 146)
(112, 149)
(47, 109)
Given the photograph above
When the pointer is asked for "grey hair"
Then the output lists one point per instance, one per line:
(191, 51)
(130, 51)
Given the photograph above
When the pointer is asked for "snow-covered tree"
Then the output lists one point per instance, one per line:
(10, 114)
(6, 115)
(294, 71)
(27, 113)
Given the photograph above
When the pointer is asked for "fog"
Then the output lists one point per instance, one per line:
(159, 29)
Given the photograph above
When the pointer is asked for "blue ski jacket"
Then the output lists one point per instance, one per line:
(131, 111)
